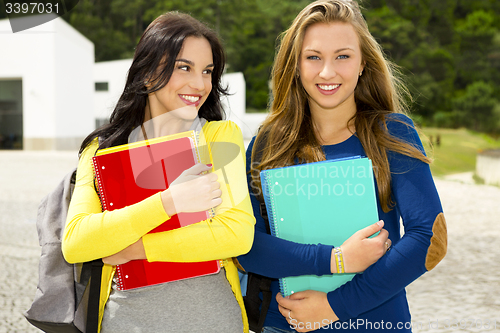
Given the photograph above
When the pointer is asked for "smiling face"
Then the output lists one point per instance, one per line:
(190, 83)
(329, 65)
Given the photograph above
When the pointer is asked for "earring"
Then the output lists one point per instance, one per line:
(360, 73)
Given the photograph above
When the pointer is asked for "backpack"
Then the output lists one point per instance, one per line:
(65, 301)
(255, 306)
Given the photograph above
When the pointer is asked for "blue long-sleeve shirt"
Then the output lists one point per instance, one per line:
(376, 299)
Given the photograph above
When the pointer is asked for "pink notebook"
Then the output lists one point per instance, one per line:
(130, 173)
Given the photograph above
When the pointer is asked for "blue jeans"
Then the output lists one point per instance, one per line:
(269, 329)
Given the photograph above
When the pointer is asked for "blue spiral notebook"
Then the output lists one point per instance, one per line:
(323, 202)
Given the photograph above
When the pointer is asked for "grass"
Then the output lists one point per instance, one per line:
(457, 150)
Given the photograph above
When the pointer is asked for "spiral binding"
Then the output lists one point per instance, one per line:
(119, 278)
(269, 201)
(97, 174)
(104, 206)
(195, 136)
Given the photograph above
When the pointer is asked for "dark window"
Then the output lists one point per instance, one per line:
(101, 86)
(100, 122)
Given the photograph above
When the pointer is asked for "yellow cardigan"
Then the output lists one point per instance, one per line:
(91, 234)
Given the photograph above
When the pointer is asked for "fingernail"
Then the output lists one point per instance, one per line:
(380, 223)
(209, 165)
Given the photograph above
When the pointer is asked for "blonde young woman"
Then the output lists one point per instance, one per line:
(336, 95)
(175, 77)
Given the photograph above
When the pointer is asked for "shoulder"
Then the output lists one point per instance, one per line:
(222, 130)
(402, 127)
(398, 121)
(85, 170)
(251, 144)
(90, 150)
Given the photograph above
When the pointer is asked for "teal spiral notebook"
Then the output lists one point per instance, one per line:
(323, 202)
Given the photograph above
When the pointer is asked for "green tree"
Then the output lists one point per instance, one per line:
(476, 32)
(448, 50)
(476, 106)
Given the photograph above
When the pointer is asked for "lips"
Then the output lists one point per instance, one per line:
(191, 99)
(327, 88)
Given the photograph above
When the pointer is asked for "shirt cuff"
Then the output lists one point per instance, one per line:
(336, 304)
(324, 259)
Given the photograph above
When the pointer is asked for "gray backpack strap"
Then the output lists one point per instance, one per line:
(55, 302)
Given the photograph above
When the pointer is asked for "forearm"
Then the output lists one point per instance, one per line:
(90, 233)
(132, 252)
(276, 258)
(419, 250)
(225, 236)
(381, 281)
(90, 236)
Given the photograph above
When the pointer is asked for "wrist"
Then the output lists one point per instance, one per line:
(168, 202)
(337, 261)
(137, 250)
(333, 262)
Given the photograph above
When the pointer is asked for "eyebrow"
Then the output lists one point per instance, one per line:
(189, 62)
(336, 51)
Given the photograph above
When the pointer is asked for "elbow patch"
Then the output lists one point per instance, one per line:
(439, 243)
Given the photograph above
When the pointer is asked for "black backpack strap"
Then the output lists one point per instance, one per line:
(95, 287)
(265, 288)
(94, 296)
(263, 213)
(257, 284)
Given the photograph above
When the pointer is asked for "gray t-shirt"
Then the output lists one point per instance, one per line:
(202, 304)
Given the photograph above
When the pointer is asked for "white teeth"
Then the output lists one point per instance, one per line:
(328, 87)
(191, 99)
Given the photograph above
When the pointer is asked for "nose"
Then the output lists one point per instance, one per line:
(197, 82)
(328, 71)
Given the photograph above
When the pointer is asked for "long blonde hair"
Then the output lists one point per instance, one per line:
(288, 132)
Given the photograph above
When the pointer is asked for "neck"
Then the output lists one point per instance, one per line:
(333, 126)
(158, 125)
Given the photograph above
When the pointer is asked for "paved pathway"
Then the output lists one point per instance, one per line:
(464, 287)
(462, 294)
(25, 178)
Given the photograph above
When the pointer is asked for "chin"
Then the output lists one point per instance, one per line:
(189, 112)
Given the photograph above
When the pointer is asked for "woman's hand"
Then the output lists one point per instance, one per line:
(306, 311)
(132, 252)
(360, 252)
(192, 191)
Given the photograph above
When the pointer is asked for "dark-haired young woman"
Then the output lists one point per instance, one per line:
(175, 76)
(336, 96)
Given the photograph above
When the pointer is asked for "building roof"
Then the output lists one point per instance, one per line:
(490, 152)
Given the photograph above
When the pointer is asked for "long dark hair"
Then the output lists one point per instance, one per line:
(157, 49)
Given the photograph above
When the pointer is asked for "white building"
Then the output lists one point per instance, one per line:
(488, 166)
(52, 94)
(46, 87)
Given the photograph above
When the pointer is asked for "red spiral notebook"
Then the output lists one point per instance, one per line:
(133, 172)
